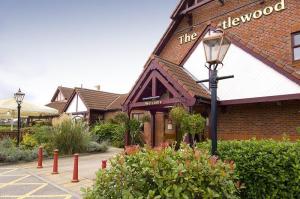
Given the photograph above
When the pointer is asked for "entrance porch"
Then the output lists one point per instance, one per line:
(162, 86)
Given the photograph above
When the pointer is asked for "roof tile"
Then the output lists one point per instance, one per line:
(184, 78)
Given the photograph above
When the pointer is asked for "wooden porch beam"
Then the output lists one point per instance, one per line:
(153, 113)
(154, 87)
(141, 90)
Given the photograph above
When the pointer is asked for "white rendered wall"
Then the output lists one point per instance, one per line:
(60, 97)
(252, 78)
(72, 107)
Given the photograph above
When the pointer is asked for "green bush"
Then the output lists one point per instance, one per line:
(103, 132)
(118, 137)
(29, 142)
(70, 136)
(96, 147)
(187, 123)
(10, 153)
(133, 126)
(267, 168)
(43, 134)
(109, 132)
(164, 173)
(6, 128)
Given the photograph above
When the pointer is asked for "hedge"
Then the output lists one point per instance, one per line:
(266, 168)
(164, 173)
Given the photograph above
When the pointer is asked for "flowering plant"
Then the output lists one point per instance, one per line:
(165, 173)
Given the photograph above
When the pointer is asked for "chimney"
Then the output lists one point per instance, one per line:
(97, 87)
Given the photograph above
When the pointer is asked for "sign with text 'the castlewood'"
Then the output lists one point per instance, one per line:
(232, 22)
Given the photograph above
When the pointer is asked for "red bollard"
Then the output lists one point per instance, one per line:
(55, 162)
(40, 158)
(75, 170)
(104, 164)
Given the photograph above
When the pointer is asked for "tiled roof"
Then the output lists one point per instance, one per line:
(184, 78)
(117, 103)
(94, 99)
(67, 92)
(57, 105)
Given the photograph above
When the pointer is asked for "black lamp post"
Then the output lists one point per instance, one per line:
(216, 46)
(19, 96)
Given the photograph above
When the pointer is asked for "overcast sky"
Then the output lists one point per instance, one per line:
(48, 43)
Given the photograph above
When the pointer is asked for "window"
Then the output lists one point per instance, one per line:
(296, 46)
(138, 116)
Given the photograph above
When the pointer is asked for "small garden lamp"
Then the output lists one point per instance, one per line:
(216, 46)
(19, 96)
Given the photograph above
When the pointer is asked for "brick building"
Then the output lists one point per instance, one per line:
(263, 100)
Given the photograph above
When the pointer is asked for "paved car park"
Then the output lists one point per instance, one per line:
(25, 181)
(18, 183)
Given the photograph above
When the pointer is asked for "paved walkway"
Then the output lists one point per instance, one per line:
(88, 166)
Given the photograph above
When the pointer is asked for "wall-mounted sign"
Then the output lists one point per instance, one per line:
(186, 38)
(149, 103)
(232, 22)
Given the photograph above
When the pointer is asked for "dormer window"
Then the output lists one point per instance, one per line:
(296, 46)
(60, 97)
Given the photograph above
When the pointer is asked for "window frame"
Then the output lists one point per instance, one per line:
(139, 115)
(294, 46)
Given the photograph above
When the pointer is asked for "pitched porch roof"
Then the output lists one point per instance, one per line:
(185, 79)
(177, 80)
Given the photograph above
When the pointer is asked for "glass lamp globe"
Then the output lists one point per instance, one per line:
(19, 96)
(216, 46)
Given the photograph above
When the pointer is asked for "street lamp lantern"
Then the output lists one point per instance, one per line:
(216, 46)
(19, 96)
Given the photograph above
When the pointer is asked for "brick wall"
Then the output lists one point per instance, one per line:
(263, 120)
(110, 115)
(269, 36)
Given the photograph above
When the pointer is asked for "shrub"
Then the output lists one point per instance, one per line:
(109, 132)
(164, 173)
(133, 126)
(6, 128)
(193, 124)
(29, 142)
(43, 134)
(10, 153)
(135, 131)
(118, 137)
(187, 123)
(267, 168)
(96, 147)
(103, 132)
(70, 136)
